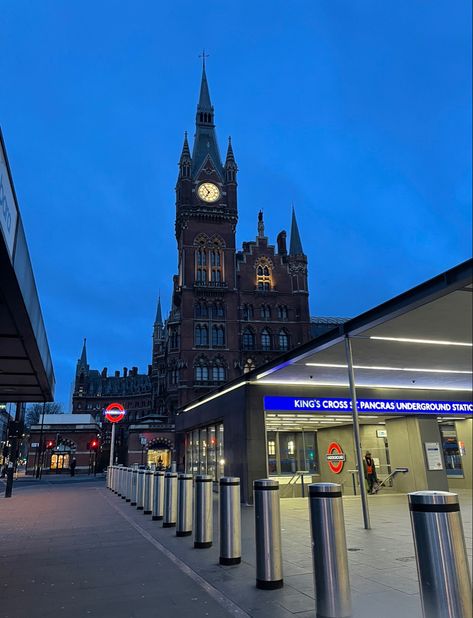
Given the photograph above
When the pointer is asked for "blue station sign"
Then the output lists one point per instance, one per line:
(367, 406)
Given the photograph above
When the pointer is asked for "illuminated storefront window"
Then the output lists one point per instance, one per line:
(204, 451)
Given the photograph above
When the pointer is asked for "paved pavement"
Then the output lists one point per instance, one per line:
(76, 548)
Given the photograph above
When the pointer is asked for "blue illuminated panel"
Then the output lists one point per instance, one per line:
(366, 406)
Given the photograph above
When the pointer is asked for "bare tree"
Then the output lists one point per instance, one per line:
(34, 412)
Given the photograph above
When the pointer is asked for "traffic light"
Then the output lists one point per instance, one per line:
(93, 445)
(50, 444)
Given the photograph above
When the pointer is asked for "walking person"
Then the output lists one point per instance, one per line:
(370, 472)
(73, 466)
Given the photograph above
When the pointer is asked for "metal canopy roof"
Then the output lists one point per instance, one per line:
(421, 339)
(26, 371)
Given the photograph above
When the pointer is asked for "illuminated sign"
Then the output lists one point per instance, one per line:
(366, 406)
(335, 457)
(8, 210)
(114, 412)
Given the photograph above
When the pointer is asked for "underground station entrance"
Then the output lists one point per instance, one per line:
(395, 381)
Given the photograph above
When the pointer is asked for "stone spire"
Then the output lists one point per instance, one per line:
(185, 162)
(230, 163)
(83, 356)
(159, 315)
(205, 142)
(295, 247)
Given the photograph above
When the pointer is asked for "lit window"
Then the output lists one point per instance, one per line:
(263, 277)
(271, 447)
(291, 449)
(283, 340)
(265, 340)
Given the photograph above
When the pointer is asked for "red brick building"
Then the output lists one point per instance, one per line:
(62, 438)
(232, 310)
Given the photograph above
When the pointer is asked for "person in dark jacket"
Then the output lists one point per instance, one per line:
(73, 466)
(370, 472)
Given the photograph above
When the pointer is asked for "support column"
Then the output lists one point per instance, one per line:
(356, 434)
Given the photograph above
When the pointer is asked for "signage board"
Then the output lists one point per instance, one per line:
(335, 457)
(381, 433)
(8, 209)
(114, 412)
(343, 405)
(434, 456)
(35, 445)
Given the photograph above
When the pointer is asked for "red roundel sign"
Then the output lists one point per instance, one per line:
(114, 412)
(335, 457)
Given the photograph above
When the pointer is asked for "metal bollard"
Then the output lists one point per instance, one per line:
(158, 495)
(114, 479)
(129, 476)
(140, 490)
(203, 511)
(329, 551)
(110, 478)
(268, 535)
(147, 497)
(134, 486)
(170, 500)
(442, 563)
(184, 505)
(124, 483)
(119, 481)
(230, 520)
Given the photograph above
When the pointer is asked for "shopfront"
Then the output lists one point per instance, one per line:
(205, 451)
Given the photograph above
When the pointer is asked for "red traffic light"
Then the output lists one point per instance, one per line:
(50, 443)
(93, 445)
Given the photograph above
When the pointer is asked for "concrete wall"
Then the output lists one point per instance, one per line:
(464, 434)
(407, 437)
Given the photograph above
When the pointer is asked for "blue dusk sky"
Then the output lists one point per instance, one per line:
(359, 113)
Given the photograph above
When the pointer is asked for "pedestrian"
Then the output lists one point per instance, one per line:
(370, 472)
(73, 466)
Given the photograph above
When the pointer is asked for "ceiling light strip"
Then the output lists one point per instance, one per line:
(426, 341)
(381, 368)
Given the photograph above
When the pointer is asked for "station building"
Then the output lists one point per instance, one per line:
(292, 418)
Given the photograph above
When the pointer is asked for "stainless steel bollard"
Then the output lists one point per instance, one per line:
(158, 495)
(129, 476)
(203, 524)
(268, 535)
(230, 520)
(329, 551)
(114, 479)
(124, 483)
(147, 497)
(184, 505)
(134, 486)
(442, 563)
(170, 500)
(140, 490)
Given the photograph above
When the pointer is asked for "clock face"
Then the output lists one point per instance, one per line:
(208, 192)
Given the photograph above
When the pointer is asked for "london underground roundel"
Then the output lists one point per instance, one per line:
(335, 457)
(114, 412)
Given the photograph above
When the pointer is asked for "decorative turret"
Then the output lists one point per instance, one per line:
(185, 162)
(260, 225)
(230, 164)
(295, 247)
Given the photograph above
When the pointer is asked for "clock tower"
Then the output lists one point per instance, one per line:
(203, 340)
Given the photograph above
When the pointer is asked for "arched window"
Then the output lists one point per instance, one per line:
(218, 310)
(201, 275)
(216, 260)
(201, 335)
(283, 340)
(200, 309)
(248, 339)
(282, 312)
(218, 373)
(265, 312)
(201, 257)
(202, 373)
(248, 313)
(263, 276)
(265, 339)
(218, 335)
